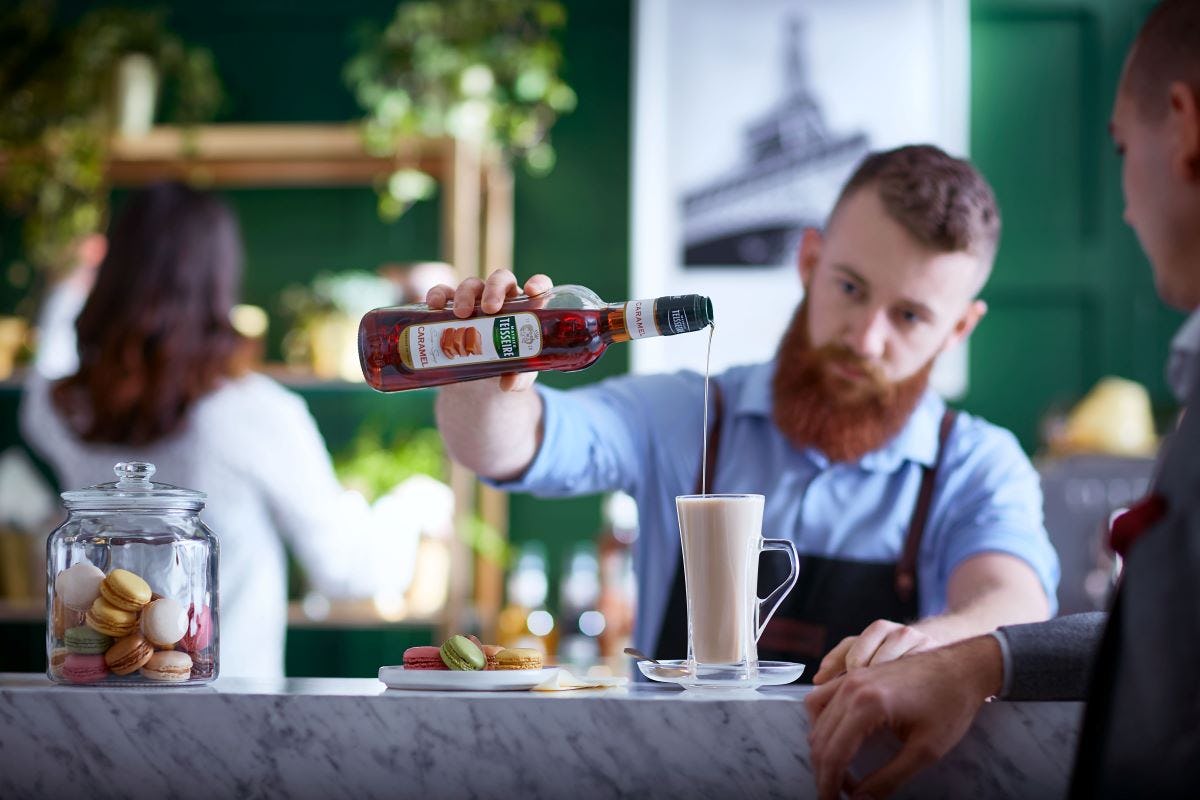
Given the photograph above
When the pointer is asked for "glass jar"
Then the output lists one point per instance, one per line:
(131, 595)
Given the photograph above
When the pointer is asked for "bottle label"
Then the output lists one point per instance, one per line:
(639, 319)
(459, 342)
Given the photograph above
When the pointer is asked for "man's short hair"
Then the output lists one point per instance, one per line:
(1166, 50)
(942, 201)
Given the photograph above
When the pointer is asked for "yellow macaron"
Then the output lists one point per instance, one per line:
(518, 658)
(106, 618)
(125, 590)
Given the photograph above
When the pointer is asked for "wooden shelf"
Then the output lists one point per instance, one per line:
(288, 376)
(477, 234)
(266, 155)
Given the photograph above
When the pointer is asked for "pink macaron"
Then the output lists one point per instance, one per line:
(199, 629)
(424, 657)
(78, 668)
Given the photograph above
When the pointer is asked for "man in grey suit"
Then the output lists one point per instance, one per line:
(1139, 665)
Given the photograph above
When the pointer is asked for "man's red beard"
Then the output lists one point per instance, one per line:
(817, 407)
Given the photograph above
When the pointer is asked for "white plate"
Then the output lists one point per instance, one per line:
(450, 680)
(683, 673)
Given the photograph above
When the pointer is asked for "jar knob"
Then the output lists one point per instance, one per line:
(134, 474)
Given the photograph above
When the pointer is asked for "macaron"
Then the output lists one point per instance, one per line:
(518, 658)
(125, 590)
(424, 657)
(63, 618)
(79, 585)
(489, 651)
(108, 619)
(127, 655)
(204, 666)
(57, 657)
(199, 629)
(168, 666)
(87, 641)
(77, 668)
(460, 653)
(164, 622)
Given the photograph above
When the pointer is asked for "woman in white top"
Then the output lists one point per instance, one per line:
(163, 377)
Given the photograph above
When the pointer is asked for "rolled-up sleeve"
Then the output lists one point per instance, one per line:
(606, 437)
(992, 503)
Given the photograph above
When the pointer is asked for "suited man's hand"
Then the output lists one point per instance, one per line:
(928, 700)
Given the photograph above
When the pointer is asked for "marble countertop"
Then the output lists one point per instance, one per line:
(330, 738)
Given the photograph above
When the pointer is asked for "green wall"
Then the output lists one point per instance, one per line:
(1071, 298)
(282, 61)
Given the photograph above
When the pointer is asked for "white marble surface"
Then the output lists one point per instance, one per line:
(332, 738)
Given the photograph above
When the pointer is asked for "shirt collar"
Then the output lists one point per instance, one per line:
(917, 440)
(1183, 365)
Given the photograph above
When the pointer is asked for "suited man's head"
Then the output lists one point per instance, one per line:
(1156, 129)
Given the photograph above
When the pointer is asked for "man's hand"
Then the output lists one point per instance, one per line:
(927, 700)
(882, 641)
(501, 285)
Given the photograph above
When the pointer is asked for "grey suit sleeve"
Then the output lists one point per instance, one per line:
(1051, 660)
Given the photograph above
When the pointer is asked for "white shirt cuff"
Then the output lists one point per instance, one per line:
(1006, 660)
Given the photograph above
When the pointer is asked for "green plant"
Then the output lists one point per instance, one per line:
(56, 114)
(373, 465)
(487, 70)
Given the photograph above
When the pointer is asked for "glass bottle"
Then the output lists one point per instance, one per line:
(525, 621)
(566, 329)
(580, 619)
(618, 587)
(131, 596)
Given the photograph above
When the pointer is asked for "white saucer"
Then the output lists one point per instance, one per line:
(463, 681)
(685, 673)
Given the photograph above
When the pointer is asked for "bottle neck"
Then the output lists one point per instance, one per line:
(662, 316)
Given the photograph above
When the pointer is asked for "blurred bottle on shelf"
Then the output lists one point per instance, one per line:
(525, 621)
(617, 588)
(581, 620)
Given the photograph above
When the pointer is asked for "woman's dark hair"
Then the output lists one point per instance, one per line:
(155, 336)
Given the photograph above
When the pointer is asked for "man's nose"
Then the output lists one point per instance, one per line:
(867, 334)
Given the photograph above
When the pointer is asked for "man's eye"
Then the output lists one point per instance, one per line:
(1120, 148)
(908, 317)
(848, 288)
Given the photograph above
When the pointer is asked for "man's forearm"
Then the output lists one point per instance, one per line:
(984, 592)
(985, 612)
(493, 433)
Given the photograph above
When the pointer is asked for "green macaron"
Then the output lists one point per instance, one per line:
(85, 641)
(461, 653)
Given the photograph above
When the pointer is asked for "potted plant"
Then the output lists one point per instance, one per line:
(324, 333)
(482, 70)
(57, 112)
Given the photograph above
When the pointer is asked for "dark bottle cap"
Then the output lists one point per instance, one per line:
(682, 313)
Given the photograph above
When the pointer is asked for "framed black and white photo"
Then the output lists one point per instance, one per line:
(748, 118)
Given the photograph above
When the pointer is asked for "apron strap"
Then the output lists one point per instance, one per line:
(714, 439)
(906, 567)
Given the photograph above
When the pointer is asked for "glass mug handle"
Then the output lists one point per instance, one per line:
(767, 605)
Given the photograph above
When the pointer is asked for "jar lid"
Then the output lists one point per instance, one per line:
(134, 489)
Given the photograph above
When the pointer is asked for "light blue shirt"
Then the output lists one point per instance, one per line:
(642, 434)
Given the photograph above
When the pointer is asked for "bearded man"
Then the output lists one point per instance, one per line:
(916, 525)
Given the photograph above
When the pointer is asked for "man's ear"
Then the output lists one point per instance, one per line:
(810, 253)
(1184, 118)
(966, 324)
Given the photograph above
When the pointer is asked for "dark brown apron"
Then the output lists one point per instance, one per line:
(833, 597)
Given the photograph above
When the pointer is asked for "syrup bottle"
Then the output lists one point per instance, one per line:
(566, 328)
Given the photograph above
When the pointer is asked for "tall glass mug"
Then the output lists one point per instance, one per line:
(722, 539)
